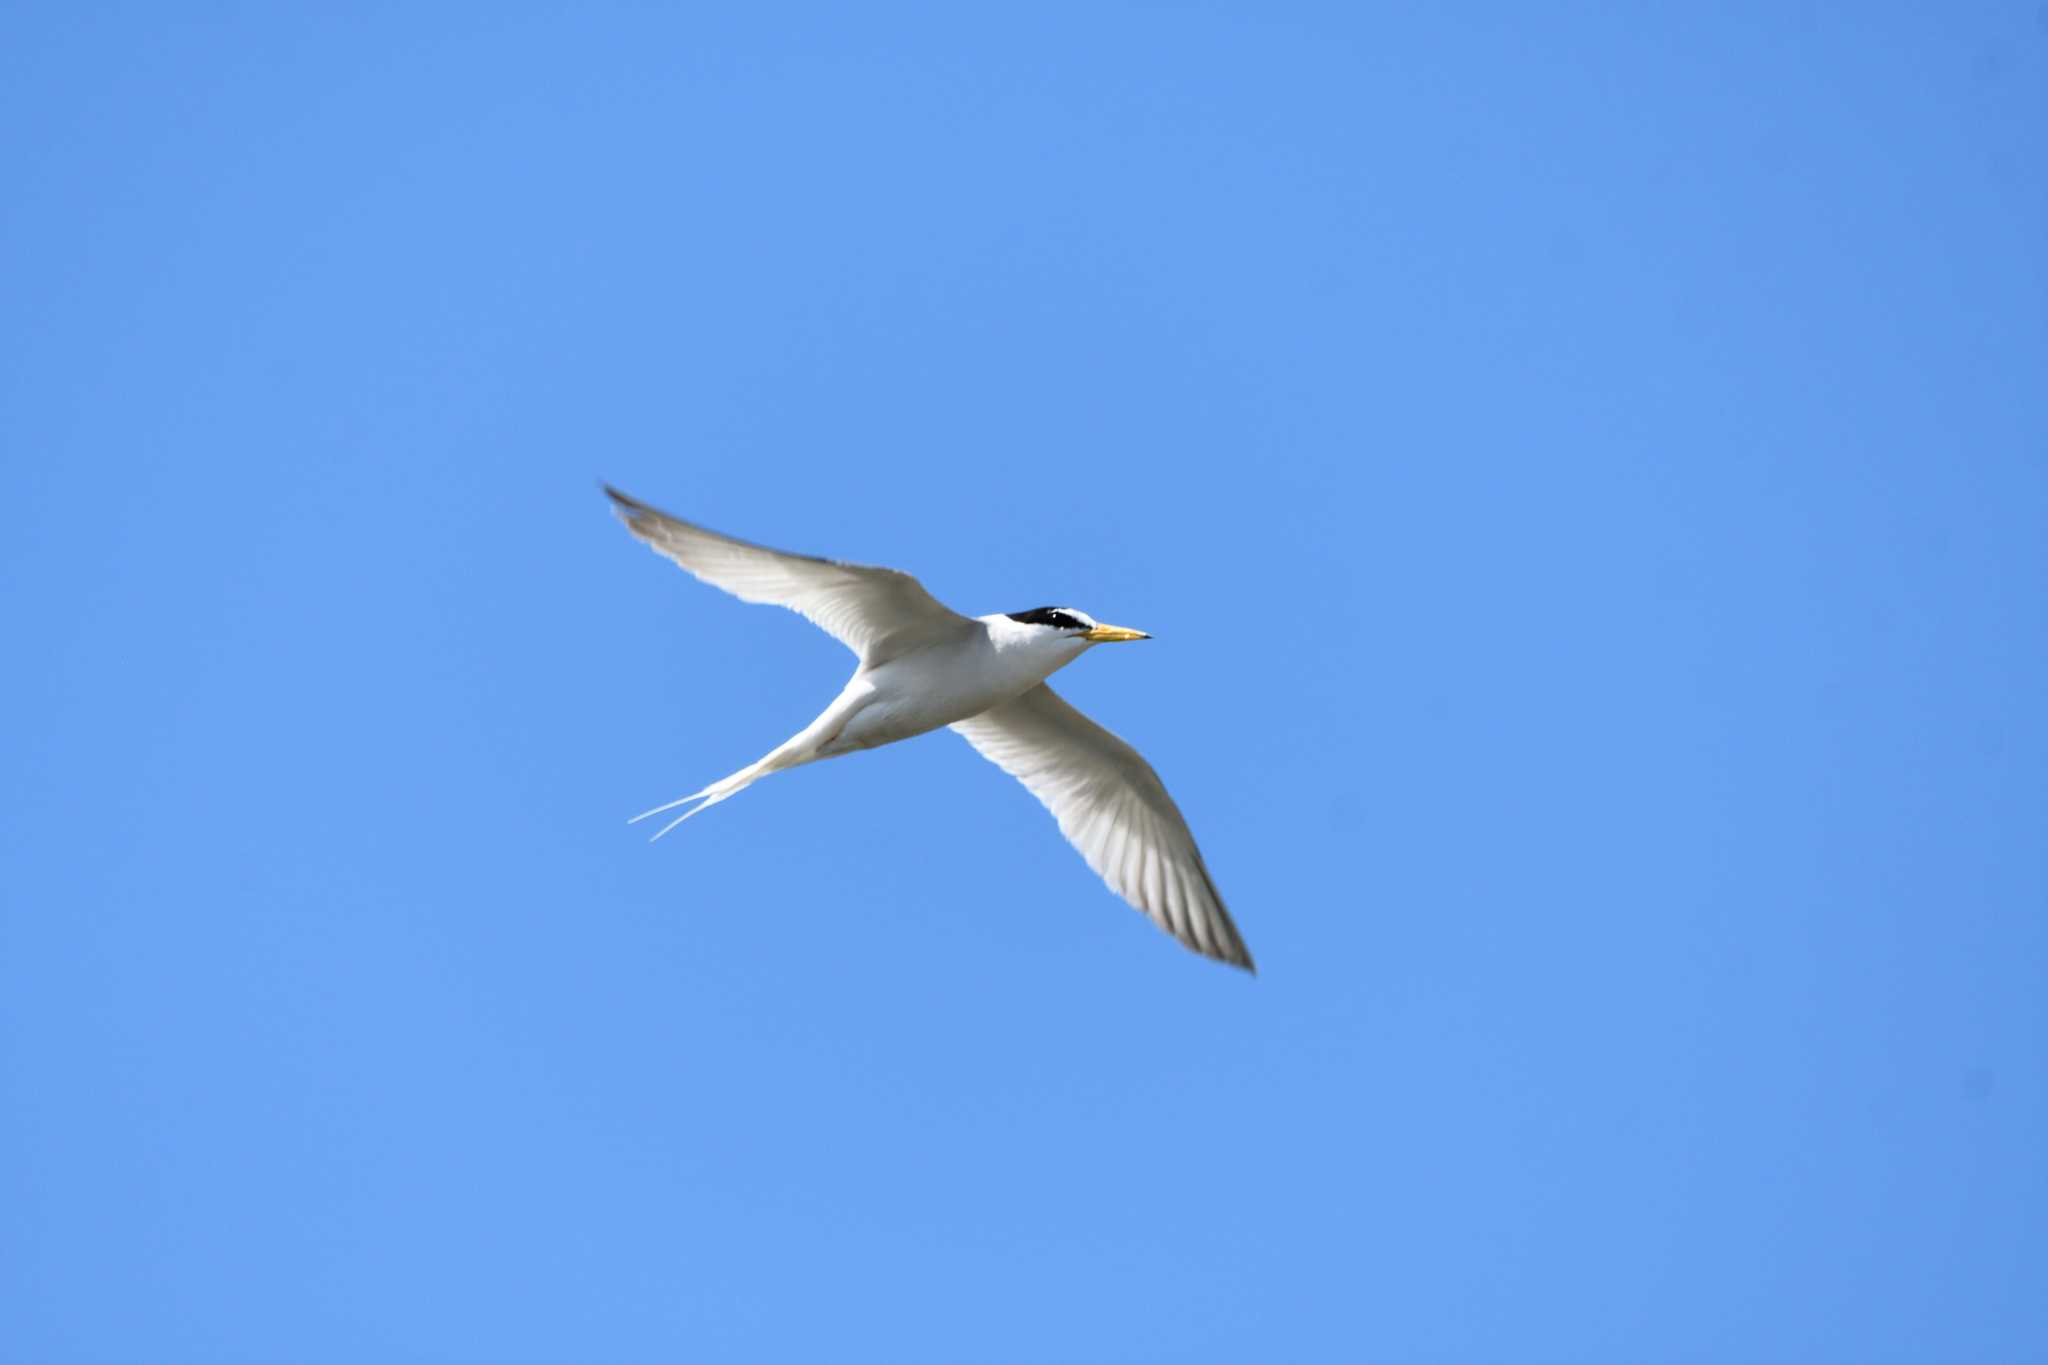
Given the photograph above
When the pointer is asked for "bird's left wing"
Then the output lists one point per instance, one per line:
(1115, 810)
(876, 613)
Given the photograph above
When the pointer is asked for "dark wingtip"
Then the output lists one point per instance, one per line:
(635, 513)
(1231, 953)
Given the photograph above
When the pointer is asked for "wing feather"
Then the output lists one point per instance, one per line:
(877, 613)
(1114, 809)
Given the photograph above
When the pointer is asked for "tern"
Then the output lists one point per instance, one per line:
(922, 666)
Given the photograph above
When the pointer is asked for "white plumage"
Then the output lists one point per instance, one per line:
(922, 666)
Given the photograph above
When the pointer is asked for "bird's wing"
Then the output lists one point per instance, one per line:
(1114, 809)
(876, 613)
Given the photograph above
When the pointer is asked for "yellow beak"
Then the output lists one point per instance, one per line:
(1104, 635)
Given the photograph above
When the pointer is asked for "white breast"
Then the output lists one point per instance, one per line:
(956, 678)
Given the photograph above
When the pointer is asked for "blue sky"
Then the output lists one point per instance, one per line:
(1586, 472)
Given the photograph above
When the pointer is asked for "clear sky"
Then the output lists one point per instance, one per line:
(1586, 471)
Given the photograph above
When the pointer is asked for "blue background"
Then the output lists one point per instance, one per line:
(1587, 476)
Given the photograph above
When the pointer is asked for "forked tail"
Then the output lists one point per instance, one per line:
(710, 796)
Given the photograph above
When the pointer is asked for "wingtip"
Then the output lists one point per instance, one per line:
(1231, 950)
(636, 514)
(1231, 954)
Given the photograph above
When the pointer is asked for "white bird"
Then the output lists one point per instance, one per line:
(923, 665)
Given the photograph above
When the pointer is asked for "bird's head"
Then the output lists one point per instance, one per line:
(1079, 626)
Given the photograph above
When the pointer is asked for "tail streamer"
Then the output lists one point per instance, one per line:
(718, 791)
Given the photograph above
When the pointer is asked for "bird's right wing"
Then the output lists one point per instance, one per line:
(876, 613)
(1115, 810)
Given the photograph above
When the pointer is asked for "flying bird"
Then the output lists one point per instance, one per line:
(923, 665)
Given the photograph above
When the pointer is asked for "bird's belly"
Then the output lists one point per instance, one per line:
(912, 695)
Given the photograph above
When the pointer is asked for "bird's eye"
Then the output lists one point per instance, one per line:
(1050, 617)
